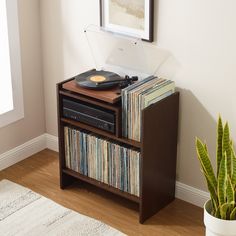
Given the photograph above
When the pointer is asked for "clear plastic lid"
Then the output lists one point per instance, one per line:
(124, 55)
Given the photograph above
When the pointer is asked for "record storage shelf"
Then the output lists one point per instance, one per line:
(158, 149)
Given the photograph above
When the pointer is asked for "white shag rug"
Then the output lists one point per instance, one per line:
(26, 213)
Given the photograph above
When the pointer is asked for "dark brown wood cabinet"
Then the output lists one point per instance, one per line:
(158, 149)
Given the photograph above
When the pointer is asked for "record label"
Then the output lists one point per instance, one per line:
(97, 78)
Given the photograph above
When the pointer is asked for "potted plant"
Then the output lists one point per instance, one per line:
(220, 210)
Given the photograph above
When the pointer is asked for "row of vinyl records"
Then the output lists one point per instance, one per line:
(138, 96)
(102, 160)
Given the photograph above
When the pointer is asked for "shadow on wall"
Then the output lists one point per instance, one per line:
(194, 121)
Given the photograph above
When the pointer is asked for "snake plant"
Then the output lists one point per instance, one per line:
(222, 184)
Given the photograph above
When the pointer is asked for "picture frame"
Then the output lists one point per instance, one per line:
(134, 18)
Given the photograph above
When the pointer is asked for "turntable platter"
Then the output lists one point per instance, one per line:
(94, 79)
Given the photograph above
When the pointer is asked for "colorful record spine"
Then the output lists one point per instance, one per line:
(105, 161)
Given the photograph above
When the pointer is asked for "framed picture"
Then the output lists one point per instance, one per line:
(129, 17)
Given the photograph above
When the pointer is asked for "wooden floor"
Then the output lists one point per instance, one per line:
(40, 173)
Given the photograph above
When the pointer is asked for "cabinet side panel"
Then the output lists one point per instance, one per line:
(65, 179)
(159, 149)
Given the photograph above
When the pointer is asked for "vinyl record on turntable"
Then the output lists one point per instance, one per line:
(94, 79)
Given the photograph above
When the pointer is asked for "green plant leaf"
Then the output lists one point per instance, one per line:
(233, 214)
(219, 143)
(213, 209)
(233, 177)
(223, 188)
(223, 210)
(205, 163)
(226, 147)
(217, 213)
(221, 185)
(213, 193)
(230, 194)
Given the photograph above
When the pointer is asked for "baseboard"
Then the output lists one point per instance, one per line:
(23, 151)
(190, 194)
(184, 192)
(51, 142)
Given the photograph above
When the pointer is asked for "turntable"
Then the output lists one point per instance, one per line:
(119, 62)
(100, 80)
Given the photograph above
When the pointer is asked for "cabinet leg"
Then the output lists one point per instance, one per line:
(66, 180)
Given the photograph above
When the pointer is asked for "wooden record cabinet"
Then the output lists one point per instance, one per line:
(158, 146)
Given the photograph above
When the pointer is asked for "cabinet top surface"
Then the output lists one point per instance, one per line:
(111, 96)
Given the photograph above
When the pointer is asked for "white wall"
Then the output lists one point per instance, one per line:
(33, 123)
(201, 35)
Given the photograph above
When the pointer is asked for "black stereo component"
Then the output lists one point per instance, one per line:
(89, 114)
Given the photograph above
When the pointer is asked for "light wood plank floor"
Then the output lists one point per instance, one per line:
(40, 173)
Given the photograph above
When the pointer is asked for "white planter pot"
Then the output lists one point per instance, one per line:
(217, 227)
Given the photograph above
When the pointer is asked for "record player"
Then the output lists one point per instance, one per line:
(101, 80)
(119, 60)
